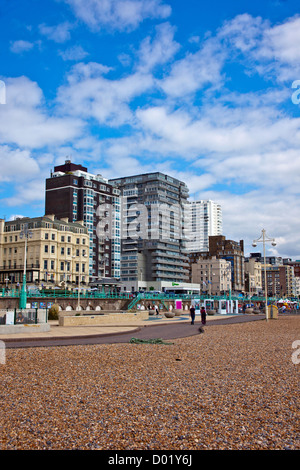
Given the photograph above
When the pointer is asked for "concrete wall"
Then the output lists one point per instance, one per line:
(93, 320)
(15, 329)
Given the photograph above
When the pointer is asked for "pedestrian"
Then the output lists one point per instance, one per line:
(244, 307)
(192, 313)
(203, 315)
(156, 309)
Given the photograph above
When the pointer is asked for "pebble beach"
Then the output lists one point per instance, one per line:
(232, 387)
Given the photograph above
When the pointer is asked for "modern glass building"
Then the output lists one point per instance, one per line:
(153, 238)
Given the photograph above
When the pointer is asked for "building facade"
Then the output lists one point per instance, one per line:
(228, 250)
(213, 275)
(152, 231)
(73, 192)
(57, 251)
(253, 276)
(204, 219)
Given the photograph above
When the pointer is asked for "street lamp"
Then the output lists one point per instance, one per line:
(78, 299)
(263, 239)
(24, 234)
(227, 274)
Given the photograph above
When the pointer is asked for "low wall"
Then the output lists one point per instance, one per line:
(102, 319)
(69, 303)
(15, 329)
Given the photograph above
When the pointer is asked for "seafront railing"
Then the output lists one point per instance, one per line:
(86, 294)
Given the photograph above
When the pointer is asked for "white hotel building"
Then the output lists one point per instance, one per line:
(204, 220)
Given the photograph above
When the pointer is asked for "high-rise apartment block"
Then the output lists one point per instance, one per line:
(204, 219)
(152, 231)
(73, 192)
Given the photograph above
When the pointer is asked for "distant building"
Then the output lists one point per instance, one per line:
(253, 276)
(228, 250)
(204, 219)
(281, 274)
(212, 275)
(73, 192)
(152, 226)
(57, 251)
(280, 280)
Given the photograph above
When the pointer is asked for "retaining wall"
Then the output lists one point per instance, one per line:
(101, 319)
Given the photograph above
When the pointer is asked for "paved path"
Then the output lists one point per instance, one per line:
(163, 330)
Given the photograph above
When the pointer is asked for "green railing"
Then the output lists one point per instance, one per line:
(84, 294)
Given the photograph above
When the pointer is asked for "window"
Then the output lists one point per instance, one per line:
(63, 238)
(46, 236)
(45, 264)
(53, 236)
(62, 251)
(62, 265)
(52, 249)
(52, 264)
(68, 251)
(69, 239)
(46, 248)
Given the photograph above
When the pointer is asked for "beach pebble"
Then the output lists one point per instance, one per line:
(235, 387)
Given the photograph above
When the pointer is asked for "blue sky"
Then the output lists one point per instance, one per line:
(202, 91)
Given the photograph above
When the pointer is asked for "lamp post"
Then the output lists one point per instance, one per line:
(23, 296)
(228, 275)
(78, 299)
(263, 239)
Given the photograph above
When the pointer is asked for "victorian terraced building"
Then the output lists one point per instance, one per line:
(57, 251)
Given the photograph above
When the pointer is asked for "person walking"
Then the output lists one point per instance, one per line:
(192, 313)
(203, 315)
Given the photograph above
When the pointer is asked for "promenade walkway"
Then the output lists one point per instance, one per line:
(154, 327)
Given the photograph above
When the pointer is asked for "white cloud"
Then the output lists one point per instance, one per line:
(272, 51)
(25, 121)
(16, 164)
(121, 15)
(73, 53)
(195, 70)
(31, 192)
(281, 42)
(58, 33)
(158, 51)
(90, 95)
(243, 33)
(17, 47)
